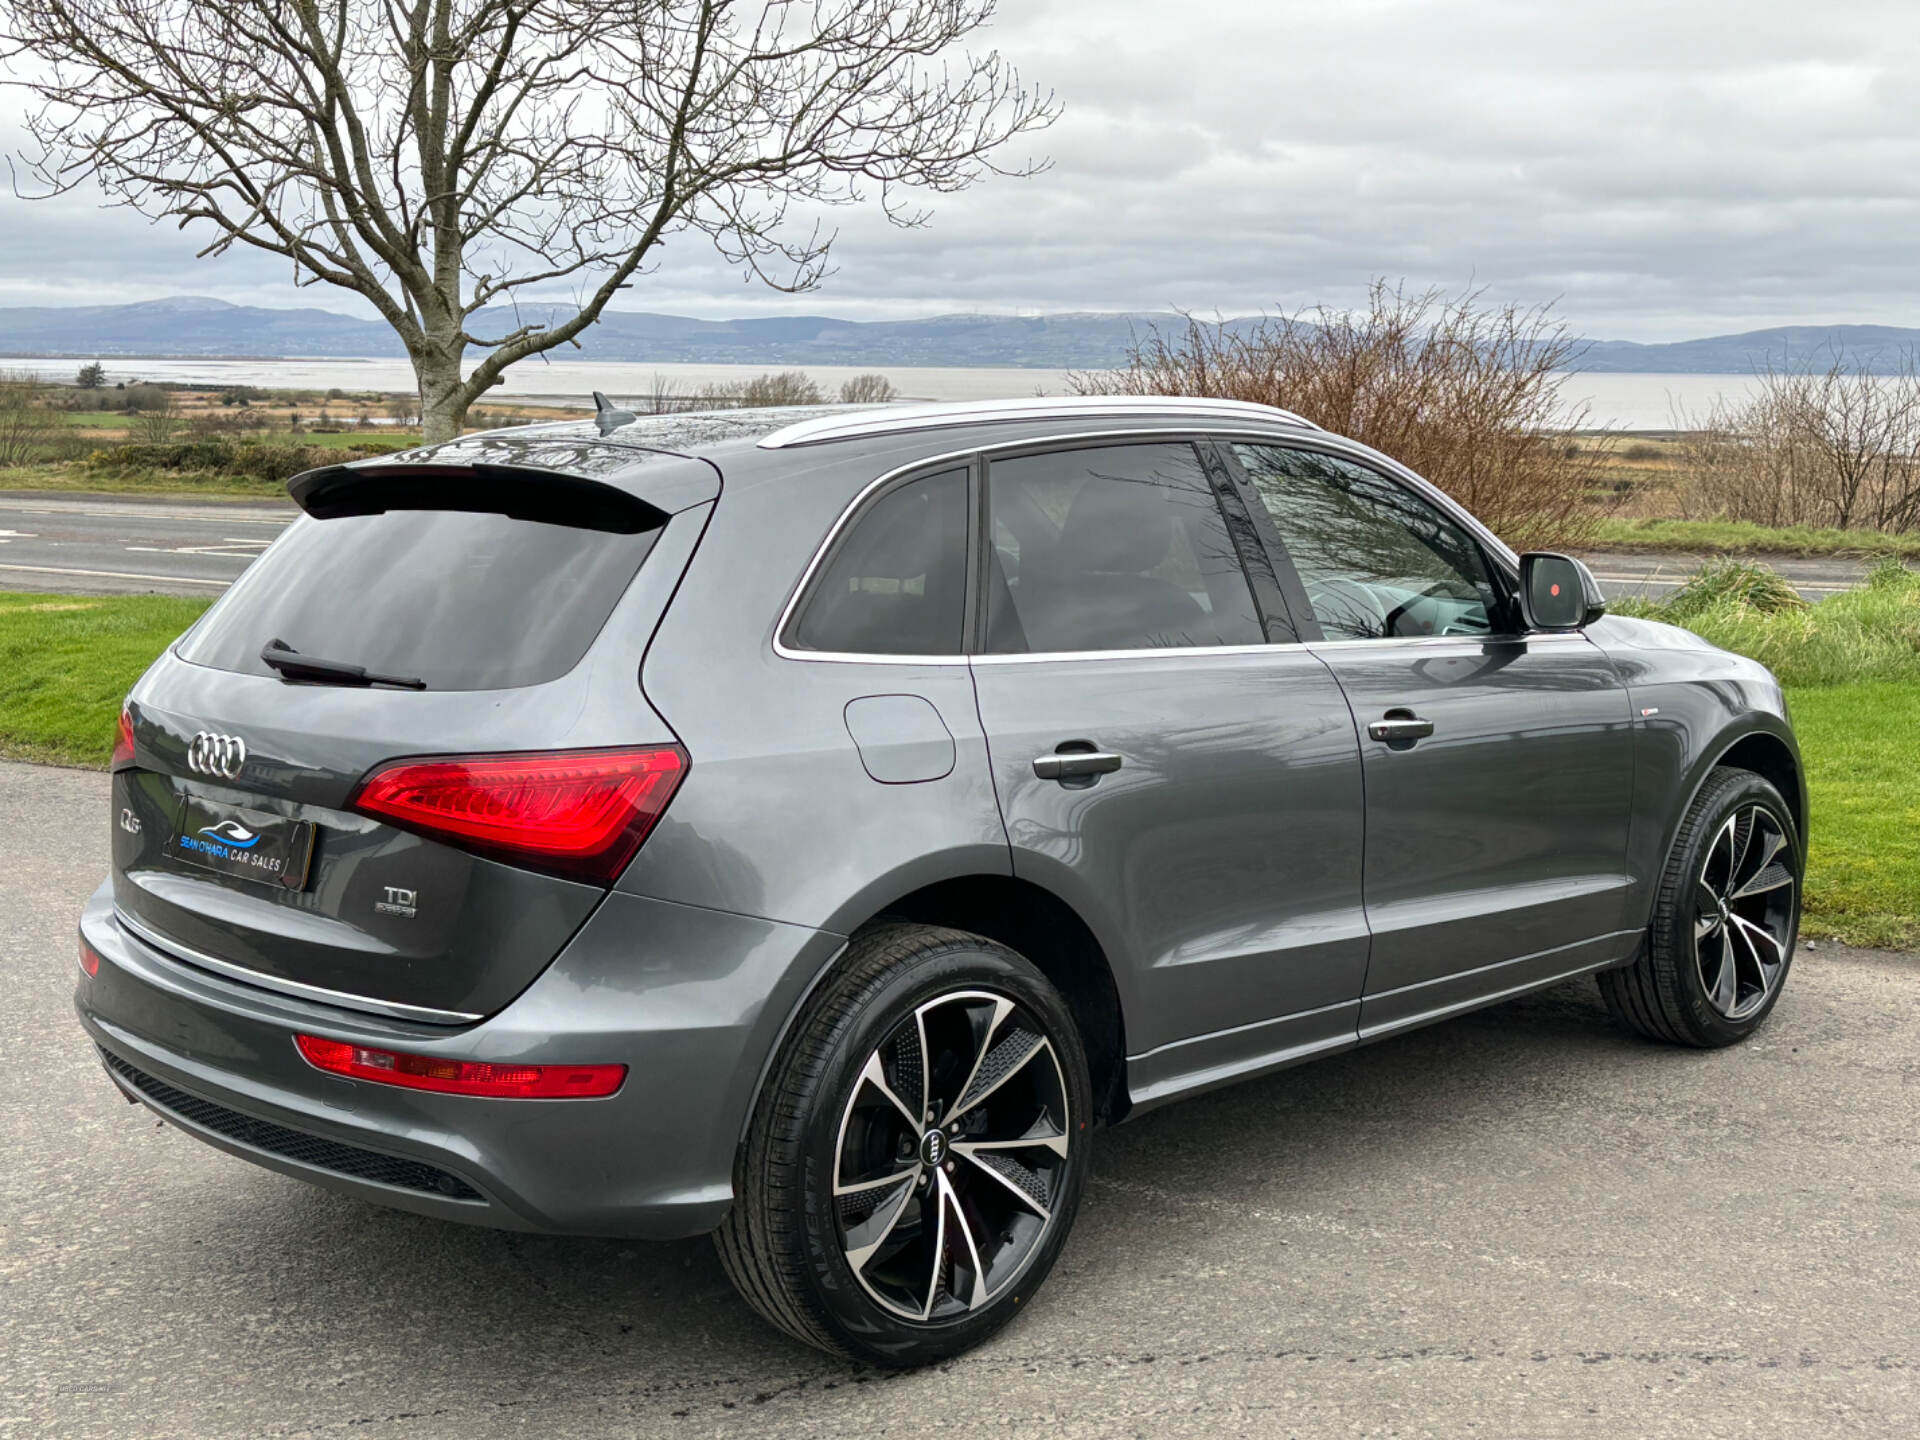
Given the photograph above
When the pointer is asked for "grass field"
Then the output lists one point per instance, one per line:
(1863, 876)
(1734, 537)
(66, 662)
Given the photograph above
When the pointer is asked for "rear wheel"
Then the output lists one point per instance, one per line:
(918, 1154)
(1724, 921)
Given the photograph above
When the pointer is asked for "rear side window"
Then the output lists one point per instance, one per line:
(1119, 547)
(462, 601)
(897, 582)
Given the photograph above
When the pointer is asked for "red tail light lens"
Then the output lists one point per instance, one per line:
(582, 814)
(123, 742)
(461, 1077)
(89, 959)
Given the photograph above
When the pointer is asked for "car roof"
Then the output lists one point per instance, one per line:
(626, 450)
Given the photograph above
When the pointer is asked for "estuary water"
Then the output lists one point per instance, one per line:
(1613, 401)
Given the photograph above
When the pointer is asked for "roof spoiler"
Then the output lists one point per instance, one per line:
(521, 492)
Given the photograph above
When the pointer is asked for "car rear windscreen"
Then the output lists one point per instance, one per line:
(459, 600)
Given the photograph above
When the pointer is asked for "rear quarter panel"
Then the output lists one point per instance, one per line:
(778, 816)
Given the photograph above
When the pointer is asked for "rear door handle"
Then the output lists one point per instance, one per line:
(1399, 725)
(1075, 764)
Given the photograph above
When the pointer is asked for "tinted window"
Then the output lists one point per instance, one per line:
(462, 601)
(1117, 548)
(1377, 560)
(897, 583)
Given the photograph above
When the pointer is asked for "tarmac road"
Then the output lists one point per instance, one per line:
(101, 545)
(94, 546)
(1522, 1223)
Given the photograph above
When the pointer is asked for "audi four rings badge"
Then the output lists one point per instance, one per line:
(220, 755)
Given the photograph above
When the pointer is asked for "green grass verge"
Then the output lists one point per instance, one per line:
(66, 663)
(1859, 636)
(1863, 873)
(1734, 537)
(159, 484)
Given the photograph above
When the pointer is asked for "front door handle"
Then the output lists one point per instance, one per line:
(1399, 727)
(1075, 764)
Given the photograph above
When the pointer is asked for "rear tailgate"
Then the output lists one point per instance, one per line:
(236, 844)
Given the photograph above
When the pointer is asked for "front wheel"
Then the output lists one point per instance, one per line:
(918, 1154)
(1724, 920)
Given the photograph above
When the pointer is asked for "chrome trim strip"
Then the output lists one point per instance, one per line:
(1442, 642)
(932, 465)
(174, 950)
(882, 421)
(1154, 652)
(1286, 1019)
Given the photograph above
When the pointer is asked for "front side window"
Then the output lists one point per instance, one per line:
(1378, 561)
(1119, 547)
(897, 583)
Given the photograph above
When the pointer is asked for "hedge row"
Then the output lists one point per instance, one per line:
(256, 462)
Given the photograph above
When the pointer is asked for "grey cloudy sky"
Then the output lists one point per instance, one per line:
(1659, 169)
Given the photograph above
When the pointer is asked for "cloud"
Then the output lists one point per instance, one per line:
(1660, 170)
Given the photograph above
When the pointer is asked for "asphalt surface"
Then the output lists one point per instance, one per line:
(1523, 1223)
(100, 545)
(1652, 576)
(93, 545)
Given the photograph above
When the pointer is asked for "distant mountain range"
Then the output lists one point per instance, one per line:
(196, 326)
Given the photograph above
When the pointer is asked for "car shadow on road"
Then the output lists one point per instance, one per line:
(490, 1312)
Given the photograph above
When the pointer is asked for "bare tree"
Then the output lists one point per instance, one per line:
(27, 426)
(441, 157)
(155, 415)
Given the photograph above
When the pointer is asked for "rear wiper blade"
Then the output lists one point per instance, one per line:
(295, 666)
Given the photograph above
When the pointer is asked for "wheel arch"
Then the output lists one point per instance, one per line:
(1021, 915)
(1050, 933)
(1775, 761)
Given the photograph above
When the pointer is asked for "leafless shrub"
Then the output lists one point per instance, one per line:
(868, 389)
(1463, 392)
(790, 387)
(1838, 449)
(157, 416)
(666, 397)
(26, 424)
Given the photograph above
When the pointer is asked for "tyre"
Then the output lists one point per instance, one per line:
(918, 1152)
(1724, 920)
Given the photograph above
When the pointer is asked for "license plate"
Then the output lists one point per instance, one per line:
(260, 849)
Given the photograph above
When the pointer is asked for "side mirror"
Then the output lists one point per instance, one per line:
(1557, 592)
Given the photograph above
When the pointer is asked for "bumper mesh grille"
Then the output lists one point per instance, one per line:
(296, 1145)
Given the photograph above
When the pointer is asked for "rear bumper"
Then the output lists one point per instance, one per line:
(691, 1000)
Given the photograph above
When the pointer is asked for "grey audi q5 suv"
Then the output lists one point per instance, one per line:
(809, 827)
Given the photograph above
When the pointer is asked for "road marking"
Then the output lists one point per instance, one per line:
(146, 512)
(1676, 581)
(219, 552)
(118, 575)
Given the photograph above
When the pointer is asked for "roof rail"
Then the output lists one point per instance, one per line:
(881, 420)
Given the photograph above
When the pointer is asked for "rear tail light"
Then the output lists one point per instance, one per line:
(123, 742)
(461, 1077)
(89, 959)
(581, 814)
